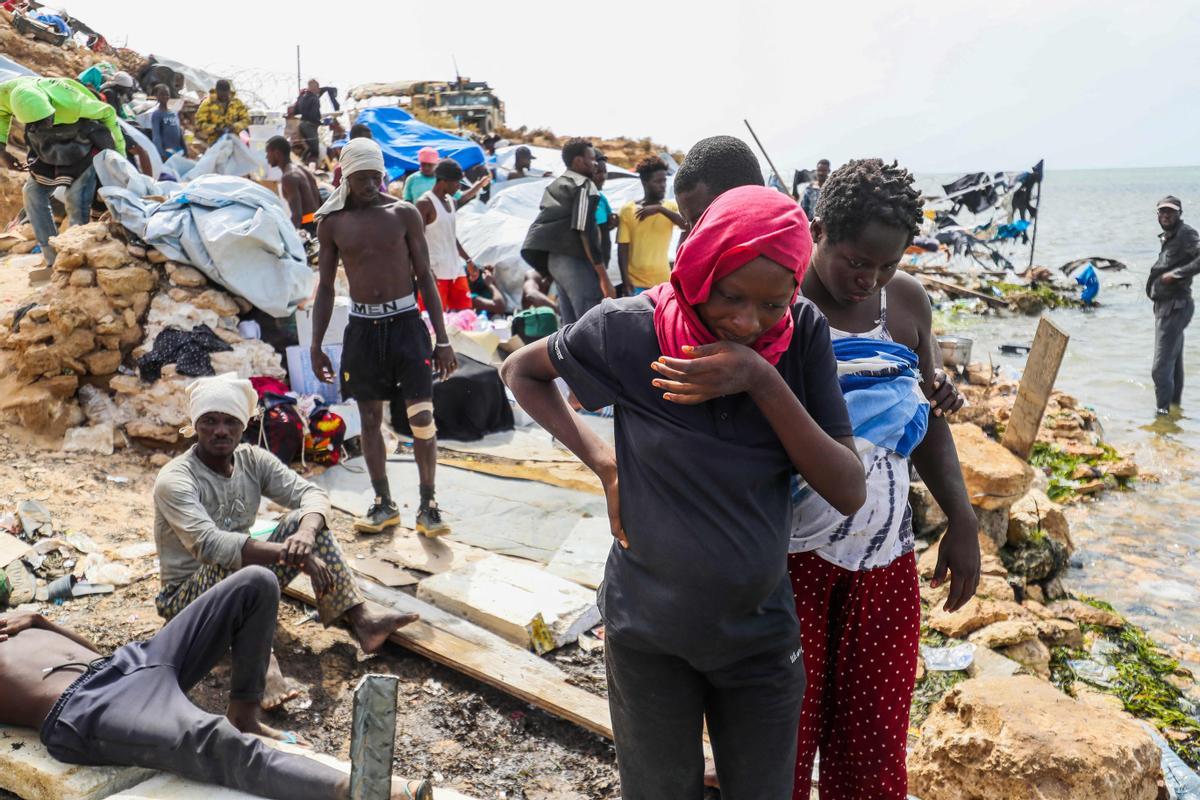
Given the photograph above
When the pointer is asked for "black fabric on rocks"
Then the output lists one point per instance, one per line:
(187, 350)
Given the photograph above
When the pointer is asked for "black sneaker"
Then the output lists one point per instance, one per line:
(429, 522)
(379, 516)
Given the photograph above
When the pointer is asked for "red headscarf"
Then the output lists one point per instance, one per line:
(741, 225)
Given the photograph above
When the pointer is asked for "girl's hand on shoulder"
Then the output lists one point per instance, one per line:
(714, 370)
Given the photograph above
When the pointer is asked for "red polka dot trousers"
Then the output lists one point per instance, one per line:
(860, 632)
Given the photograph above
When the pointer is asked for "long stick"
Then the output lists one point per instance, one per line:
(1036, 216)
(766, 155)
(297, 69)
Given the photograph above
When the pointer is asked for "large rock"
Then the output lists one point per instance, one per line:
(189, 277)
(108, 255)
(1005, 633)
(993, 523)
(995, 478)
(1035, 559)
(126, 281)
(1019, 737)
(1033, 512)
(1081, 612)
(928, 519)
(1031, 654)
(1060, 633)
(975, 614)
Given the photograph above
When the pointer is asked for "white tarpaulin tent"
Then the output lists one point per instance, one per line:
(493, 234)
(231, 229)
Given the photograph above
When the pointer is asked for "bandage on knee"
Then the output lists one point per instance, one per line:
(422, 431)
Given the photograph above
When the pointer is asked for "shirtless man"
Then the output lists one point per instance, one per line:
(132, 709)
(298, 186)
(386, 351)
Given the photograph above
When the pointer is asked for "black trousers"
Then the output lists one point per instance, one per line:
(1171, 318)
(659, 704)
(309, 132)
(134, 710)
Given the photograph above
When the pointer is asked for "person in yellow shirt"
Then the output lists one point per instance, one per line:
(645, 229)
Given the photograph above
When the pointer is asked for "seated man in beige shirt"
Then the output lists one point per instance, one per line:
(205, 502)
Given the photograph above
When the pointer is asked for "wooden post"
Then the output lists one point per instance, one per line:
(373, 737)
(1037, 213)
(1041, 370)
(299, 85)
(766, 155)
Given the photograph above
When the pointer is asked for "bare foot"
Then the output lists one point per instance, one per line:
(244, 716)
(279, 689)
(372, 626)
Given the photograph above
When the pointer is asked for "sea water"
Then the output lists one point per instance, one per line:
(1139, 550)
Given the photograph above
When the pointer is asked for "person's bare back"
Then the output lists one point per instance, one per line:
(300, 189)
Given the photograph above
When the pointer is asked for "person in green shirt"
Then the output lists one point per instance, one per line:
(65, 127)
(418, 183)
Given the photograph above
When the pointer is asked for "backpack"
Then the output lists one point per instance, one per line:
(326, 433)
(279, 428)
(532, 324)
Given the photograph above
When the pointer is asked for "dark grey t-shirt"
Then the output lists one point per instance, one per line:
(705, 498)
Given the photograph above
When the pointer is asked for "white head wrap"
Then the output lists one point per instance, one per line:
(224, 394)
(359, 155)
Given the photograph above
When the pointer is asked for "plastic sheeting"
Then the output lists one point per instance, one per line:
(400, 137)
(493, 234)
(141, 140)
(545, 159)
(229, 156)
(231, 229)
(10, 69)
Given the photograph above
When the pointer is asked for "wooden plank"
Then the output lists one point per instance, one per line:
(564, 474)
(442, 637)
(414, 551)
(522, 603)
(11, 548)
(384, 571)
(1037, 382)
(954, 288)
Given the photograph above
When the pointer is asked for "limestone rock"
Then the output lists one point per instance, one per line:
(1031, 654)
(108, 255)
(1036, 559)
(189, 277)
(928, 519)
(1060, 633)
(1081, 612)
(1053, 589)
(1035, 511)
(1003, 738)
(1005, 633)
(976, 614)
(126, 281)
(81, 277)
(79, 342)
(155, 256)
(145, 430)
(40, 359)
(1034, 592)
(995, 478)
(980, 374)
(218, 301)
(1124, 468)
(159, 459)
(990, 664)
(993, 523)
(103, 362)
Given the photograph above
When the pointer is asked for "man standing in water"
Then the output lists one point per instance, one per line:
(1170, 287)
(385, 352)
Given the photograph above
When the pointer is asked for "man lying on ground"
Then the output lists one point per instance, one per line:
(205, 502)
(132, 709)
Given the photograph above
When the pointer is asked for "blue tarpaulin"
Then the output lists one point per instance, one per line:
(400, 136)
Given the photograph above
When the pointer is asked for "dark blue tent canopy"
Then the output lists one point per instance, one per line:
(400, 137)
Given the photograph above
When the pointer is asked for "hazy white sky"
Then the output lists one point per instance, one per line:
(942, 86)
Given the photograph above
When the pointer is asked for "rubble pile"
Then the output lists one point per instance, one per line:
(51, 61)
(106, 305)
(621, 151)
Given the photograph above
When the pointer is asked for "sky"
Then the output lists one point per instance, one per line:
(941, 86)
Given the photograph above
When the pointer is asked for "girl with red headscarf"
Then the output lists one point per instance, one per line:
(724, 387)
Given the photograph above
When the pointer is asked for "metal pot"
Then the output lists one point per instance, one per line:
(956, 350)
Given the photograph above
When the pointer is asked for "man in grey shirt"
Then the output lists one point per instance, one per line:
(205, 502)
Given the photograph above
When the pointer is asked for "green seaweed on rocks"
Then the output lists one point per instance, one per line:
(1035, 297)
(929, 690)
(1060, 467)
(1143, 682)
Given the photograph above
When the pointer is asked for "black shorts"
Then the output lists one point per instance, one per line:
(387, 357)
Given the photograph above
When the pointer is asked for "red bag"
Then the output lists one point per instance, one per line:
(326, 433)
(279, 428)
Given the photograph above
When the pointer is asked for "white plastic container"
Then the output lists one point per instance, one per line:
(337, 323)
